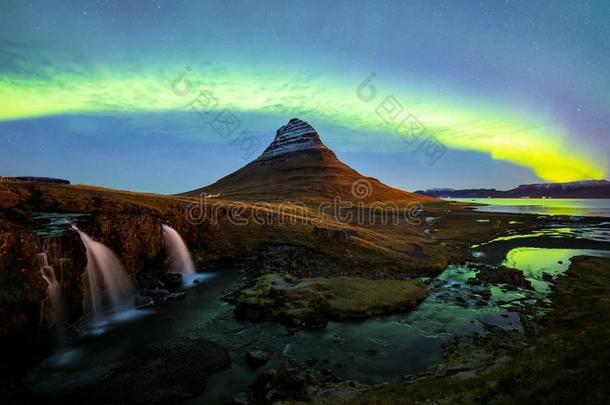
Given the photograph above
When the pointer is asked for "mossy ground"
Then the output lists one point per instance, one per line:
(350, 297)
(312, 302)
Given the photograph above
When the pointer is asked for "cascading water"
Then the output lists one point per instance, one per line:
(178, 254)
(110, 290)
(53, 294)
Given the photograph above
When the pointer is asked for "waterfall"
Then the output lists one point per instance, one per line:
(53, 294)
(178, 254)
(110, 290)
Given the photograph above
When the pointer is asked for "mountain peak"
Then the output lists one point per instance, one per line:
(296, 135)
(297, 166)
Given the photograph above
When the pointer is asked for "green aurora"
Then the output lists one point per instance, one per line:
(467, 125)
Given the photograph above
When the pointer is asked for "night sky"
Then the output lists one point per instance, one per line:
(166, 96)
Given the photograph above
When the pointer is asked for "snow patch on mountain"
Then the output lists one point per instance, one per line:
(295, 136)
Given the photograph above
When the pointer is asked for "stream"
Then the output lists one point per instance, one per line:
(381, 349)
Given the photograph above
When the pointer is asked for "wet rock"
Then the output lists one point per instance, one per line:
(330, 376)
(167, 372)
(311, 362)
(175, 296)
(474, 281)
(257, 358)
(173, 280)
(484, 293)
(162, 296)
(289, 382)
(143, 301)
(241, 398)
(481, 303)
(295, 382)
(157, 294)
(461, 301)
(512, 279)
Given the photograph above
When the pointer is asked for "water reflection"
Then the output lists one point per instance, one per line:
(538, 262)
(596, 233)
(543, 206)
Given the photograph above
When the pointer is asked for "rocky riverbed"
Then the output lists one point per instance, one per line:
(563, 357)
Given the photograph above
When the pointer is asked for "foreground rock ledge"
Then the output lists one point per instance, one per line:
(313, 302)
(160, 373)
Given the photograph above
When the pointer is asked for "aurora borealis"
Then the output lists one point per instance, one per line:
(518, 91)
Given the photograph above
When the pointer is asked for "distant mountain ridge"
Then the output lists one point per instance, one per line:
(33, 179)
(574, 189)
(297, 166)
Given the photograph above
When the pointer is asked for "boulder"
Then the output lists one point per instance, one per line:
(257, 358)
(289, 382)
(511, 278)
(295, 382)
(313, 302)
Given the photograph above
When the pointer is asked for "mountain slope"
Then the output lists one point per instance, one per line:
(297, 166)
